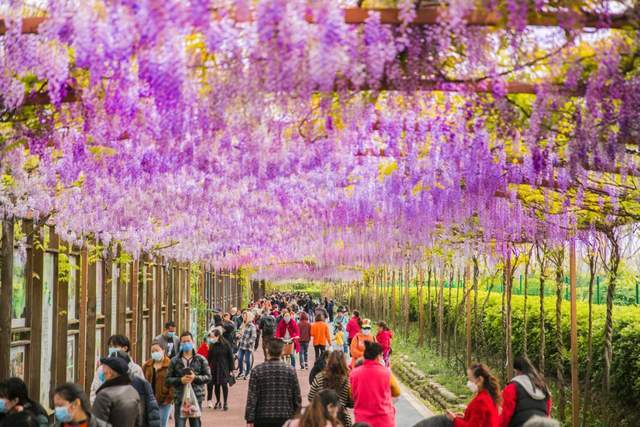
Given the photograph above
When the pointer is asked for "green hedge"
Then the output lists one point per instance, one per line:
(625, 369)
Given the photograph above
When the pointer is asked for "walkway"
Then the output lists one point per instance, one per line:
(409, 409)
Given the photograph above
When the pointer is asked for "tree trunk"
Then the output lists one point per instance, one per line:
(6, 296)
(542, 262)
(405, 302)
(559, 341)
(614, 264)
(429, 308)
(508, 280)
(525, 329)
(393, 299)
(476, 273)
(420, 306)
(587, 380)
(441, 317)
(450, 316)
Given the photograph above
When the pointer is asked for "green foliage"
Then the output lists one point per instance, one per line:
(625, 370)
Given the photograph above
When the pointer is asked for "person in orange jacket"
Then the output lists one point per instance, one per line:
(357, 343)
(320, 335)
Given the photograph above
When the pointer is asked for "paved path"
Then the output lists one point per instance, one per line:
(409, 409)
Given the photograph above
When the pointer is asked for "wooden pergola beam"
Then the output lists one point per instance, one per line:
(430, 15)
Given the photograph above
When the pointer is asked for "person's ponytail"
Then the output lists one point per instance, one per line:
(490, 382)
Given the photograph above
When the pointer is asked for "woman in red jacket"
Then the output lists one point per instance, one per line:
(482, 411)
(525, 396)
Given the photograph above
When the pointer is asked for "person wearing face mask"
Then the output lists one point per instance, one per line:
(14, 398)
(220, 359)
(359, 340)
(288, 331)
(373, 388)
(117, 401)
(115, 343)
(72, 408)
(169, 340)
(188, 367)
(482, 411)
(155, 371)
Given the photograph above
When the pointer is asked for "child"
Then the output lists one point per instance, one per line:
(383, 338)
(338, 338)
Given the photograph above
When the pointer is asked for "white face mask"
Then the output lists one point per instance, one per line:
(472, 386)
(366, 331)
(287, 318)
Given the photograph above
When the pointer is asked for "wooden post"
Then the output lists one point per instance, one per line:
(90, 362)
(135, 311)
(82, 317)
(60, 324)
(467, 293)
(575, 387)
(6, 296)
(121, 309)
(36, 278)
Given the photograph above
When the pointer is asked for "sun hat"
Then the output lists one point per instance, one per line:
(366, 324)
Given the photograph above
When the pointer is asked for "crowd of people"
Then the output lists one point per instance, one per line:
(351, 383)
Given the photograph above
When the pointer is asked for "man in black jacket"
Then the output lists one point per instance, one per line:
(150, 408)
(274, 391)
(188, 367)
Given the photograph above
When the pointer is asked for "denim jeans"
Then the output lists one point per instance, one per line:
(293, 359)
(244, 356)
(304, 354)
(165, 411)
(182, 422)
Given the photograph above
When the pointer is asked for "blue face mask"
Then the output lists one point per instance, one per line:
(62, 414)
(171, 334)
(157, 355)
(210, 341)
(101, 376)
(186, 346)
(112, 350)
(3, 406)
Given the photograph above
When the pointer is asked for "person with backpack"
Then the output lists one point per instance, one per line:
(526, 396)
(268, 329)
(305, 337)
(354, 325)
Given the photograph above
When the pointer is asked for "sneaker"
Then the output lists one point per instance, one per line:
(210, 404)
(240, 377)
(218, 406)
(225, 407)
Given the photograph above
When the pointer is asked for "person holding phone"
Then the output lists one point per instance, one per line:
(188, 367)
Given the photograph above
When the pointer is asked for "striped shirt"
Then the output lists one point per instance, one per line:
(344, 396)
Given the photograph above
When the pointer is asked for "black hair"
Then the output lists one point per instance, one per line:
(20, 419)
(524, 365)
(120, 341)
(372, 350)
(217, 319)
(170, 324)
(15, 388)
(275, 348)
(186, 334)
(70, 392)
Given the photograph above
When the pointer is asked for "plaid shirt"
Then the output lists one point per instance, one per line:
(248, 338)
(274, 392)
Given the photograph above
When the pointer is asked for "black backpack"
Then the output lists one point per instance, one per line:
(268, 325)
